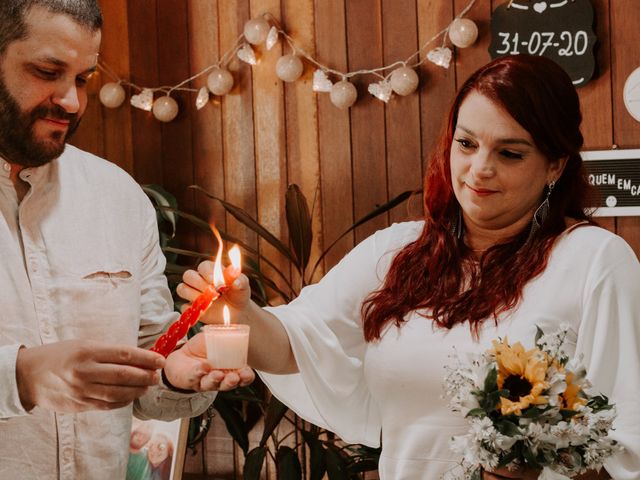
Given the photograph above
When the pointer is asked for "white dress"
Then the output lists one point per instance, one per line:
(391, 391)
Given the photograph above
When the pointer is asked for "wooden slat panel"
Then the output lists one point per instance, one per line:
(145, 129)
(334, 135)
(468, 60)
(116, 123)
(437, 84)
(173, 67)
(625, 17)
(404, 165)
(237, 122)
(301, 112)
(364, 38)
(208, 160)
(90, 133)
(595, 96)
(269, 137)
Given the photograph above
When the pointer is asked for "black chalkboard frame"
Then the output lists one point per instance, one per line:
(615, 172)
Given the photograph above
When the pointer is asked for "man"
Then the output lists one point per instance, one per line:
(81, 277)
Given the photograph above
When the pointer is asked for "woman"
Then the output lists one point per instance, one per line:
(160, 456)
(505, 246)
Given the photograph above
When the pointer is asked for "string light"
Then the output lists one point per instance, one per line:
(399, 77)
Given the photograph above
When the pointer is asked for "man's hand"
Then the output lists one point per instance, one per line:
(80, 375)
(188, 368)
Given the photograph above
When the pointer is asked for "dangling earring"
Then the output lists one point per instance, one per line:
(457, 225)
(542, 212)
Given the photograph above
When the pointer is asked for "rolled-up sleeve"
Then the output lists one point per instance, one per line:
(156, 315)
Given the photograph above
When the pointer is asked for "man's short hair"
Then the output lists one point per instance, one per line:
(13, 12)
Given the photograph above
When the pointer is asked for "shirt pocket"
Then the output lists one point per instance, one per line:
(100, 302)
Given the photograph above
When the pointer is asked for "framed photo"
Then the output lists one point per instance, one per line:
(157, 449)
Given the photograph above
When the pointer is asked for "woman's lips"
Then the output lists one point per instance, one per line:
(483, 192)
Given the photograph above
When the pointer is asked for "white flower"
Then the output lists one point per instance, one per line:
(601, 421)
(548, 474)
(565, 434)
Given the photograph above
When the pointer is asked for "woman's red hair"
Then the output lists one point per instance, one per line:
(432, 275)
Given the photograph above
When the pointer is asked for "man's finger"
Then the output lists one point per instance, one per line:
(123, 375)
(127, 355)
(113, 395)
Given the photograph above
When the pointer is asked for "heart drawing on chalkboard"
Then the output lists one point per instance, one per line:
(540, 7)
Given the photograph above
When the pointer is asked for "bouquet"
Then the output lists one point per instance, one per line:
(529, 409)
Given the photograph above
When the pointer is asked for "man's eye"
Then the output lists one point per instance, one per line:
(81, 81)
(47, 74)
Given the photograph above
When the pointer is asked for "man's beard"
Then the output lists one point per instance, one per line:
(18, 142)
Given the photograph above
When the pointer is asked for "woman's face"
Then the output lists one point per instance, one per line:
(158, 449)
(497, 172)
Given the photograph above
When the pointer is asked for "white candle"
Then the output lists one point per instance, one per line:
(227, 344)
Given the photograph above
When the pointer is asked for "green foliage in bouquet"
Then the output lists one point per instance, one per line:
(243, 408)
(529, 409)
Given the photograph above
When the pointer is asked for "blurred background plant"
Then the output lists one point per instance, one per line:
(297, 448)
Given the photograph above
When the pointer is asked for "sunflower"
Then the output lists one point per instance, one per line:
(569, 397)
(523, 374)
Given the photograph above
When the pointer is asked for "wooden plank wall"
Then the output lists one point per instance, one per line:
(247, 146)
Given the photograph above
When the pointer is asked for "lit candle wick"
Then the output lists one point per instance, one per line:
(226, 316)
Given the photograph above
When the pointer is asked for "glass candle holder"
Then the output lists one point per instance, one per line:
(227, 345)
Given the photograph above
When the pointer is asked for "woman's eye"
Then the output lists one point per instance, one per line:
(464, 144)
(512, 155)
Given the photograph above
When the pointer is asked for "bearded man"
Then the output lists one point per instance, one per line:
(81, 283)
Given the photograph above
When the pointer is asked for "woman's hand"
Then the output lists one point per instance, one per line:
(529, 474)
(237, 294)
(187, 368)
(503, 473)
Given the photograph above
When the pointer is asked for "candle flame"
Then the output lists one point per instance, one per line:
(218, 277)
(235, 257)
(226, 316)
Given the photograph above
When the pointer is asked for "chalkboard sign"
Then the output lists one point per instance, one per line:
(616, 175)
(561, 30)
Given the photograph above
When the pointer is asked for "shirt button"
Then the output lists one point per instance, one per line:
(6, 166)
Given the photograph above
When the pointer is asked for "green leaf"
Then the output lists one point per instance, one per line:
(233, 421)
(253, 463)
(539, 334)
(491, 381)
(317, 461)
(530, 458)
(244, 218)
(275, 411)
(288, 464)
(299, 223)
(385, 207)
(509, 457)
(198, 222)
(477, 412)
(506, 427)
(163, 198)
(336, 464)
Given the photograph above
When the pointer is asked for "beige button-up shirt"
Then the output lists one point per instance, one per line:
(80, 260)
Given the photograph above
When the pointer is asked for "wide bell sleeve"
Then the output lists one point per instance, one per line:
(325, 330)
(609, 339)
